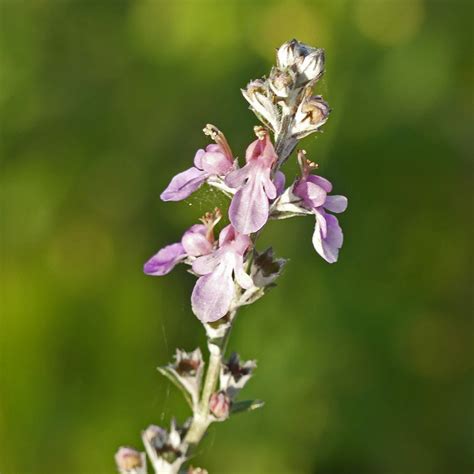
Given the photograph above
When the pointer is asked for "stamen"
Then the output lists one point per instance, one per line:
(216, 135)
(210, 220)
(260, 132)
(306, 165)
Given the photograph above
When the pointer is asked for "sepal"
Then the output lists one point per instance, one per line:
(259, 96)
(166, 450)
(266, 268)
(186, 373)
(235, 374)
(288, 205)
(310, 116)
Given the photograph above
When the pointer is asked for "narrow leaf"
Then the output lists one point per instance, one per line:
(246, 405)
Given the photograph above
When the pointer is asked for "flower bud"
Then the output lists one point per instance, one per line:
(306, 61)
(259, 97)
(312, 113)
(196, 470)
(219, 404)
(130, 461)
(281, 82)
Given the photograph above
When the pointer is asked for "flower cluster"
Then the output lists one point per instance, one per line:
(229, 269)
(285, 102)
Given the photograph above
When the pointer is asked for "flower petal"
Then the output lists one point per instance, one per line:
(248, 211)
(242, 278)
(184, 184)
(336, 203)
(279, 181)
(206, 264)
(195, 242)
(316, 195)
(198, 158)
(215, 162)
(312, 194)
(328, 247)
(321, 220)
(237, 177)
(165, 260)
(268, 185)
(320, 181)
(213, 293)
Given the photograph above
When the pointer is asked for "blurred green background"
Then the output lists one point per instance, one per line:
(365, 366)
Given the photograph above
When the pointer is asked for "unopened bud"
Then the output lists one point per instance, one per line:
(306, 61)
(281, 82)
(130, 460)
(219, 404)
(196, 470)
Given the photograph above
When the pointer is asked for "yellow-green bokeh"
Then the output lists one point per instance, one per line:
(364, 365)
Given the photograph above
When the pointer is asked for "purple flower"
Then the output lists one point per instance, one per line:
(215, 290)
(313, 191)
(215, 160)
(248, 210)
(216, 264)
(196, 241)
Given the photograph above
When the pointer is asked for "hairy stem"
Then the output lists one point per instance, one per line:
(202, 418)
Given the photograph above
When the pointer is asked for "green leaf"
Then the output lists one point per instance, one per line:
(246, 405)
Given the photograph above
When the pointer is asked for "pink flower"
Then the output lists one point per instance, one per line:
(196, 241)
(248, 210)
(219, 266)
(313, 191)
(215, 160)
(215, 290)
(193, 243)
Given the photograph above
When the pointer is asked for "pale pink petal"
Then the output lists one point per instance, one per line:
(268, 185)
(215, 162)
(165, 260)
(328, 247)
(198, 158)
(269, 155)
(184, 184)
(312, 194)
(214, 147)
(321, 220)
(242, 278)
(336, 203)
(226, 235)
(315, 194)
(206, 264)
(241, 243)
(237, 177)
(320, 181)
(262, 150)
(195, 242)
(248, 211)
(254, 150)
(213, 293)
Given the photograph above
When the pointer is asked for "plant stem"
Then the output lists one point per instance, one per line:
(217, 347)
(201, 418)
